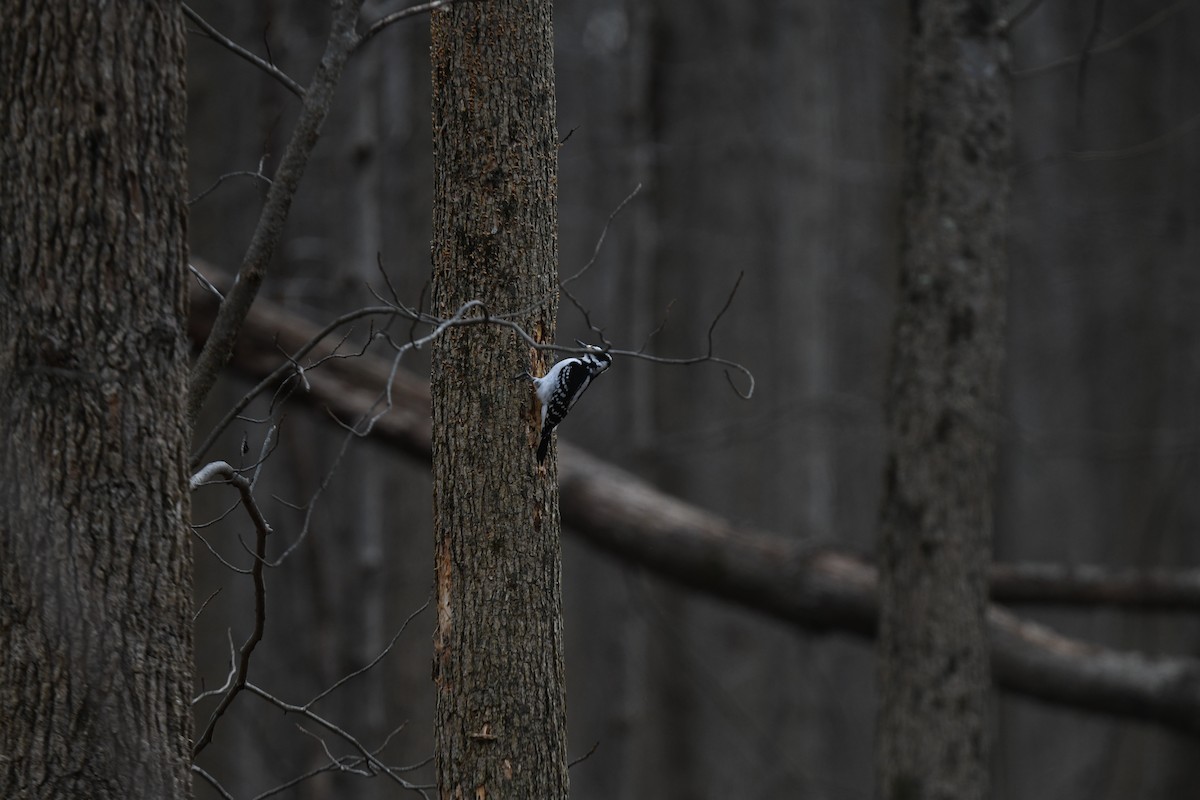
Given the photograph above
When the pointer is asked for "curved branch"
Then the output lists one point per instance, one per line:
(809, 585)
(396, 16)
(235, 48)
(220, 471)
(1089, 50)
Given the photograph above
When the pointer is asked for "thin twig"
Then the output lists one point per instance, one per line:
(1022, 14)
(243, 173)
(204, 605)
(603, 234)
(228, 678)
(658, 329)
(585, 756)
(396, 16)
(382, 653)
(210, 472)
(708, 356)
(235, 48)
(1150, 22)
(217, 787)
(1133, 151)
(340, 764)
(1085, 54)
(338, 731)
(280, 372)
(205, 282)
(562, 285)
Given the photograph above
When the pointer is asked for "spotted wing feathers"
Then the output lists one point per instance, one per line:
(562, 387)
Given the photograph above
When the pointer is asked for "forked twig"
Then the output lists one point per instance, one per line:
(222, 471)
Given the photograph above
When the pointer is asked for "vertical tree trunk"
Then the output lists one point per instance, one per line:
(498, 661)
(95, 554)
(942, 396)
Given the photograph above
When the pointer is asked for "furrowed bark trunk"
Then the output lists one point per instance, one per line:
(498, 661)
(95, 552)
(940, 412)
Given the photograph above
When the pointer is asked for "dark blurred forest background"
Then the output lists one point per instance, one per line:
(767, 139)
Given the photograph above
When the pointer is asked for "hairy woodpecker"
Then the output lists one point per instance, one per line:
(560, 388)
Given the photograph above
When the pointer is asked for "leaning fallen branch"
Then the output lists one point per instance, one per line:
(814, 587)
(221, 472)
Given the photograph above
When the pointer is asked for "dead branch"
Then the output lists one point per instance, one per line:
(1093, 49)
(235, 48)
(221, 472)
(369, 757)
(814, 587)
(212, 781)
(389, 19)
(1090, 585)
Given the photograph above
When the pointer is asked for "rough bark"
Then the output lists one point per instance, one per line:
(498, 660)
(935, 539)
(95, 553)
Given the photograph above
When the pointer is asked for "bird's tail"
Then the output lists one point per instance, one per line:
(544, 447)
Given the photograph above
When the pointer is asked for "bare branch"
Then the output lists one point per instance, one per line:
(801, 583)
(204, 605)
(309, 507)
(282, 371)
(1092, 586)
(235, 48)
(390, 19)
(244, 173)
(562, 285)
(368, 755)
(640, 352)
(230, 475)
(211, 781)
(382, 653)
(346, 764)
(1147, 24)
(1020, 16)
(708, 357)
(228, 678)
(585, 756)
(603, 233)
(1085, 55)
(205, 282)
(317, 101)
(1138, 150)
(220, 469)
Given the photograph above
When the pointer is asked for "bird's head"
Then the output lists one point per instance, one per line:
(597, 357)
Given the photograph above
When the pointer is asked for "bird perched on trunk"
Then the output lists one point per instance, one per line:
(561, 387)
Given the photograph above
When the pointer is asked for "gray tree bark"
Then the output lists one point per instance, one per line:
(943, 390)
(95, 552)
(498, 657)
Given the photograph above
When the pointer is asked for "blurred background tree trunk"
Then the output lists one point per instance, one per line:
(95, 553)
(942, 407)
(498, 647)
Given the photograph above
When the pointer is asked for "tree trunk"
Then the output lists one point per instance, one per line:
(95, 553)
(940, 410)
(498, 660)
